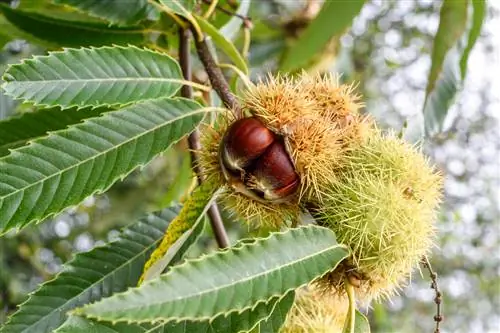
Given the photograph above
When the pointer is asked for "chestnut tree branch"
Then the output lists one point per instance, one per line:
(194, 140)
(217, 79)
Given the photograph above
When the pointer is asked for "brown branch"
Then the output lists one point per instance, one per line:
(217, 78)
(438, 318)
(194, 140)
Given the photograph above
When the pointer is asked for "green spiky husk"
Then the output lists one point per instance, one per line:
(319, 119)
(382, 206)
(314, 311)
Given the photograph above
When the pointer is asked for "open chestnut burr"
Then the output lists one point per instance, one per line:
(255, 162)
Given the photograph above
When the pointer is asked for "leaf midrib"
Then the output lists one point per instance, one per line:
(93, 157)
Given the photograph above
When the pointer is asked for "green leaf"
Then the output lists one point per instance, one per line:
(478, 15)
(91, 276)
(194, 207)
(277, 318)
(230, 29)
(17, 131)
(114, 10)
(81, 325)
(47, 30)
(181, 183)
(76, 324)
(67, 166)
(175, 253)
(94, 77)
(181, 7)
(332, 20)
(10, 31)
(6, 105)
(233, 322)
(49, 8)
(231, 280)
(452, 45)
(221, 41)
(453, 19)
(4, 39)
(361, 324)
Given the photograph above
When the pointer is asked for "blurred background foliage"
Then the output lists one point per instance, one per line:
(388, 51)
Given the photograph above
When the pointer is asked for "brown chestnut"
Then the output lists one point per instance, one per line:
(245, 140)
(255, 162)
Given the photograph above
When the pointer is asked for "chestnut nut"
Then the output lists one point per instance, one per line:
(255, 162)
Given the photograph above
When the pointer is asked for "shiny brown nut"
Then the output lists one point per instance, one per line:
(255, 162)
(245, 140)
(274, 174)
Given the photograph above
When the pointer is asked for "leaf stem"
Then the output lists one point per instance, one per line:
(246, 41)
(211, 9)
(169, 12)
(228, 12)
(349, 288)
(244, 78)
(194, 139)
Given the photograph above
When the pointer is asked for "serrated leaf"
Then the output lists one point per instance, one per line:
(6, 105)
(277, 318)
(16, 131)
(232, 322)
(224, 44)
(232, 280)
(452, 45)
(91, 276)
(76, 324)
(114, 10)
(94, 77)
(333, 19)
(175, 253)
(67, 166)
(47, 30)
(230, 29)
(194, 207)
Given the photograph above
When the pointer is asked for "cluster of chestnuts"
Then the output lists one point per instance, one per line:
(304, 145)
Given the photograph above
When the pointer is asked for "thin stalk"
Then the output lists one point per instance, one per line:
(349, 288)
(194, 139)
(438, 317)
(211, 9)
